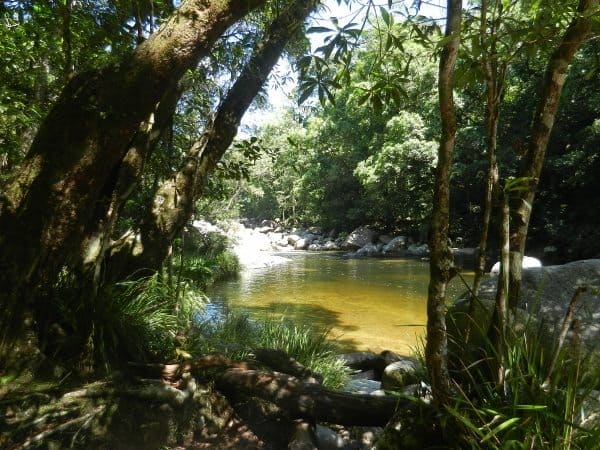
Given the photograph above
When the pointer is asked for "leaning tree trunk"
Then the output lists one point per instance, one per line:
(440, 266)
(554, 80)
(174, 202)
(72, 165)
(97, 240)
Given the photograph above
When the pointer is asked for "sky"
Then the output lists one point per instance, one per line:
(283, 80)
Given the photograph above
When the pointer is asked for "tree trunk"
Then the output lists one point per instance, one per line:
(494, 85)
(72, 166)
(497, 330)
(554, 80)
(97, 240)
(67, 41)
(436, 349)
(174, 202)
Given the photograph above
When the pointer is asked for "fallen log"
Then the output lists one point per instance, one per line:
(310, 401)
(196, 367)
(280, 361)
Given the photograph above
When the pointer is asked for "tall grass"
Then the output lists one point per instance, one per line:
(237, 335)
(525, 412)
(140, 320)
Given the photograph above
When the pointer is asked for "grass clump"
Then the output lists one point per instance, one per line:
(138, 320)
(538, 405)
(237, 335)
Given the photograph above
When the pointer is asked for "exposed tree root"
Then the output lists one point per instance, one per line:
(176, 406)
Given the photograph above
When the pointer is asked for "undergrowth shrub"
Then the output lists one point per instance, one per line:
(538, 406)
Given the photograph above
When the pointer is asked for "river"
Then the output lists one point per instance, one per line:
(369, 303)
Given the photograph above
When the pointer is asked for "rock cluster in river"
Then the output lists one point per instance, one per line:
(363, 241)
(257, 244)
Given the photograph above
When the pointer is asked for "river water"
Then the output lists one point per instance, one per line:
(369, 303)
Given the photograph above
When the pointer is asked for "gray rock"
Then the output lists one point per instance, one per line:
(368, 250)
(528, 262)
(589, 415)
(330, 245)
(264, 230)
(301, 244)
(395, 246)
(327, 439)
(359, 360)
(419, 251)
(362, 386)
(547, 291)
(292, 239)
(400, 373)
(385, 239)
(361, 237)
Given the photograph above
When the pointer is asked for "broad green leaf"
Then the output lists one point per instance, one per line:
(320, 30)
(385, 15)
(507, 424)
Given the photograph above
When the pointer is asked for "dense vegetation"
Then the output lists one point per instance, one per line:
(344, 166)
(117, 122)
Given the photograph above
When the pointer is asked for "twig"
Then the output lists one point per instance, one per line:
(563, 334)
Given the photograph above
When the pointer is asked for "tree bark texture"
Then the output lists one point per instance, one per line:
(174, 202)
(494, 72)
(309, 400)
(543, 121)
(497, 330)
(436, 349)
(97, 239)
(72, 166)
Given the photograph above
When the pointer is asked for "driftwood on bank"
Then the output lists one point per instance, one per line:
(300, 399)
(309, 400)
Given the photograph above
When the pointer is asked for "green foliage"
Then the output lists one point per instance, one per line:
(398, 179)
(140, 319)
(205, 258)
(237, 335)
(136, 320)
(525, 412)
(345, 166)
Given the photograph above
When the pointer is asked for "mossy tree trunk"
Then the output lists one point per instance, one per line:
(543, 122)
(67, 179)
(98, 238)
(173, 203)
(440, 266)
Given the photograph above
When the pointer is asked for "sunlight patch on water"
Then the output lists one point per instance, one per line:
(375, 304)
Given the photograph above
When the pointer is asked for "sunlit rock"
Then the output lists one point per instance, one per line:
(528, 263)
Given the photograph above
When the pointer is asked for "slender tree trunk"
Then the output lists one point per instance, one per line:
(497, 330)
(436, 349)
(73, 164)
(554, 80)
(67, 41)
(174, 202)
(494, 85)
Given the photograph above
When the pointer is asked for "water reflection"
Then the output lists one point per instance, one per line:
(372, 304)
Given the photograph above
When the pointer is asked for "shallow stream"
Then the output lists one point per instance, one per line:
(369, 303)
